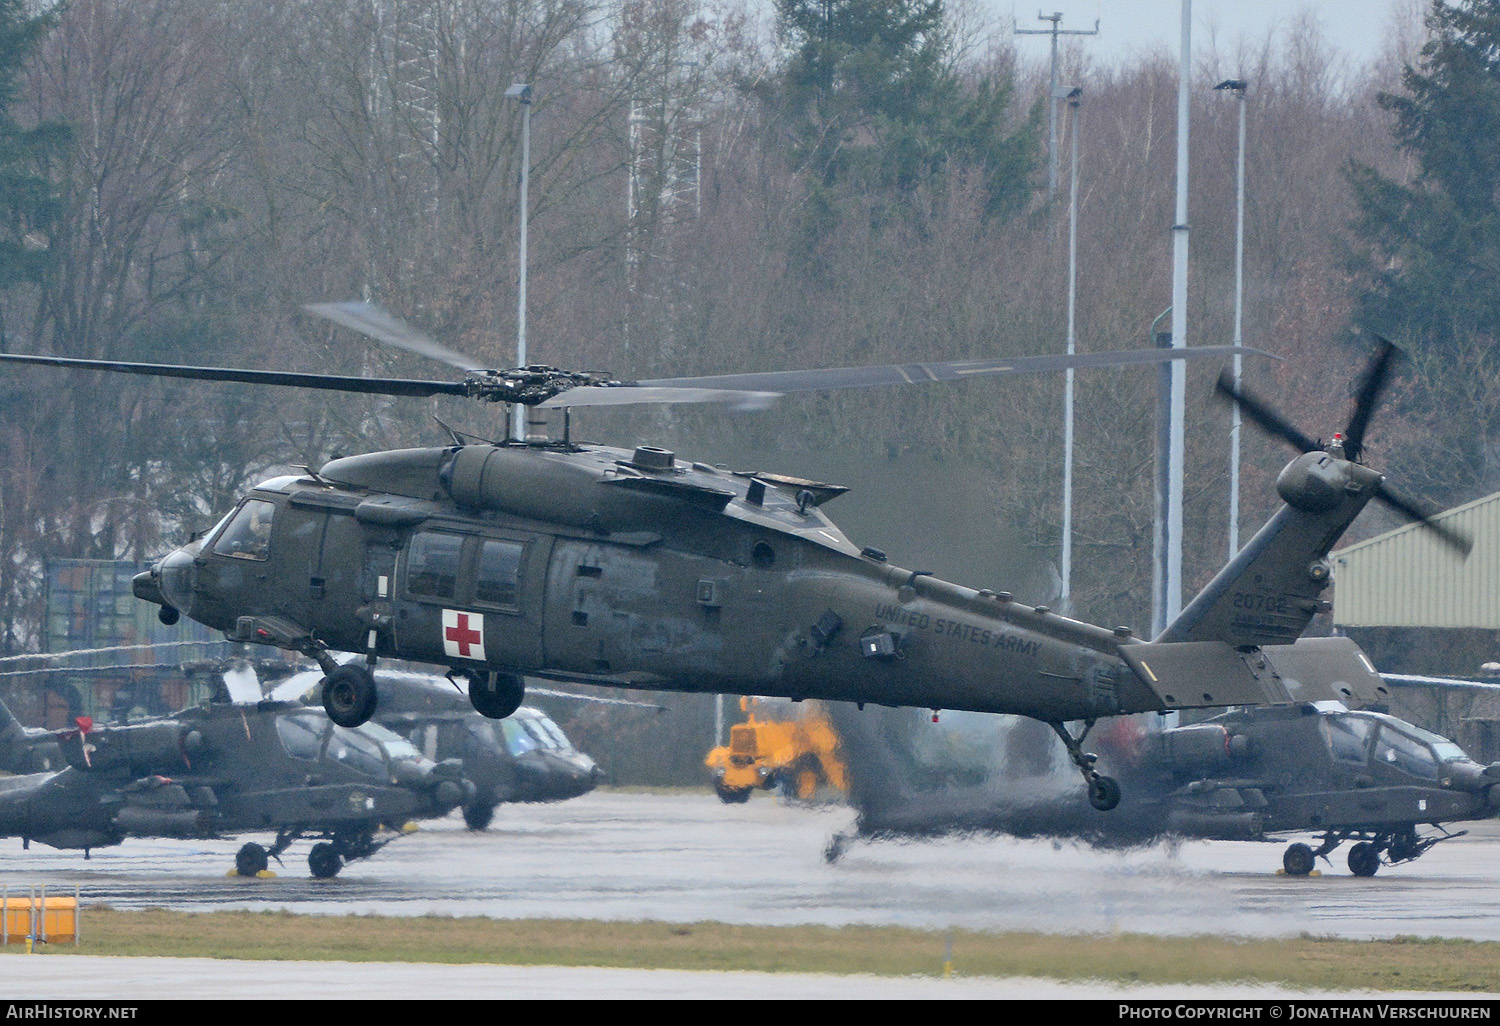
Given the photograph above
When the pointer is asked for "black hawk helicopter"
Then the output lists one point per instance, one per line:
(525, 757)
(223, 769)
(633, 568)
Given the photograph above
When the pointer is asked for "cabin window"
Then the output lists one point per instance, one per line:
(432, 565)
(498, 580)
(248, 533)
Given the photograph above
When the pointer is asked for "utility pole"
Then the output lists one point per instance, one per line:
(1053, 94)
(1065, 600)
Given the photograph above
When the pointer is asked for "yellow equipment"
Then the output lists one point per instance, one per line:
(799, 754)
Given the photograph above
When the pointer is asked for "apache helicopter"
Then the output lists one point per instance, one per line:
(585, 563)
(224, 769)
(1252, 774)
(525, 757)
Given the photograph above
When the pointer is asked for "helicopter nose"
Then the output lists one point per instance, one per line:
(174, 577)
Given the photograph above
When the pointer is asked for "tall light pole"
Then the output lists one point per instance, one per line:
(1065, 600)
(1238, 87)
(1169, 576)
(521, 93)
(1053, 93)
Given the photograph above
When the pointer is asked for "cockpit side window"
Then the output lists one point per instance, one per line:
(1347, 737)
(517, 740)
(301, 735)
(539, 734)
(248, 533)
(358, 752)
(1406, 754)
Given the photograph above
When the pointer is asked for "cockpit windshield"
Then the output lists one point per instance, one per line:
(1396, 743)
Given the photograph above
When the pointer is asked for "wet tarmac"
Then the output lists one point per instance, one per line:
(689, 858)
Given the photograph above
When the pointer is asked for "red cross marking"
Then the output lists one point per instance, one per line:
(463, 635)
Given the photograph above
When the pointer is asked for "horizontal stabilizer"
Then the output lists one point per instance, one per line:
(1211, 674)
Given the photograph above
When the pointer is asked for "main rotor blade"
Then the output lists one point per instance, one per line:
(325, 382)
(919, 373)
(1456, 540)
(625, 395)
(1268, 419)
(369, 319)
(1366, 396)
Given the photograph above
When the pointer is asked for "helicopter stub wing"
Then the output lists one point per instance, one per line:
(1212, 674)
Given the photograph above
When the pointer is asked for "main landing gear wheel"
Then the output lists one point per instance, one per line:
(251, 859)
(1297, 860)
(324, 861)
(496, 695)
(1364, 859)
(1104, 793)
(349, 695)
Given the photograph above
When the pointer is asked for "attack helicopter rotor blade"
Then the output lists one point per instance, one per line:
(369, 319)
(1370, 386)
(324, 382)
(756, 391)
(1456, 540)
(1268, 419)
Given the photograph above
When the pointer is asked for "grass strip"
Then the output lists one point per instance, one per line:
(1314, 963)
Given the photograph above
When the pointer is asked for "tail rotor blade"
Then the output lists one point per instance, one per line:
(1456, 540)
(1366, 396)
(1268, 419)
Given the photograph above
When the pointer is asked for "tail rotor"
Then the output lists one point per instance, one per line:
(1348, 444)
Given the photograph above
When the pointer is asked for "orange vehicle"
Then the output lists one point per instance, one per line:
(797, 752)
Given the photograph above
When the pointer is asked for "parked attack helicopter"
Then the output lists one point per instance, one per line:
(581, 562)
(525, 757)
(1255, 774)
(224, 769)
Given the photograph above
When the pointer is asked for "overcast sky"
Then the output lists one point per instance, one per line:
(1128, 28)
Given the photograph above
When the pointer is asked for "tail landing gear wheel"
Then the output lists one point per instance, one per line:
(477, 815)
(324, 861)
(349, 695)
(1364, 859)
(1104, 793)
(496, 695)
(250, 859)
(1297, 860)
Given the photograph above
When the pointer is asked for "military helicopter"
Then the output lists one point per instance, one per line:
(224, 769)
(1253, 774)
(632, 568)
(523, 758)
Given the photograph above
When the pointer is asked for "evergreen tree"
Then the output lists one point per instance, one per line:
(873, 100)
(1432, 267)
